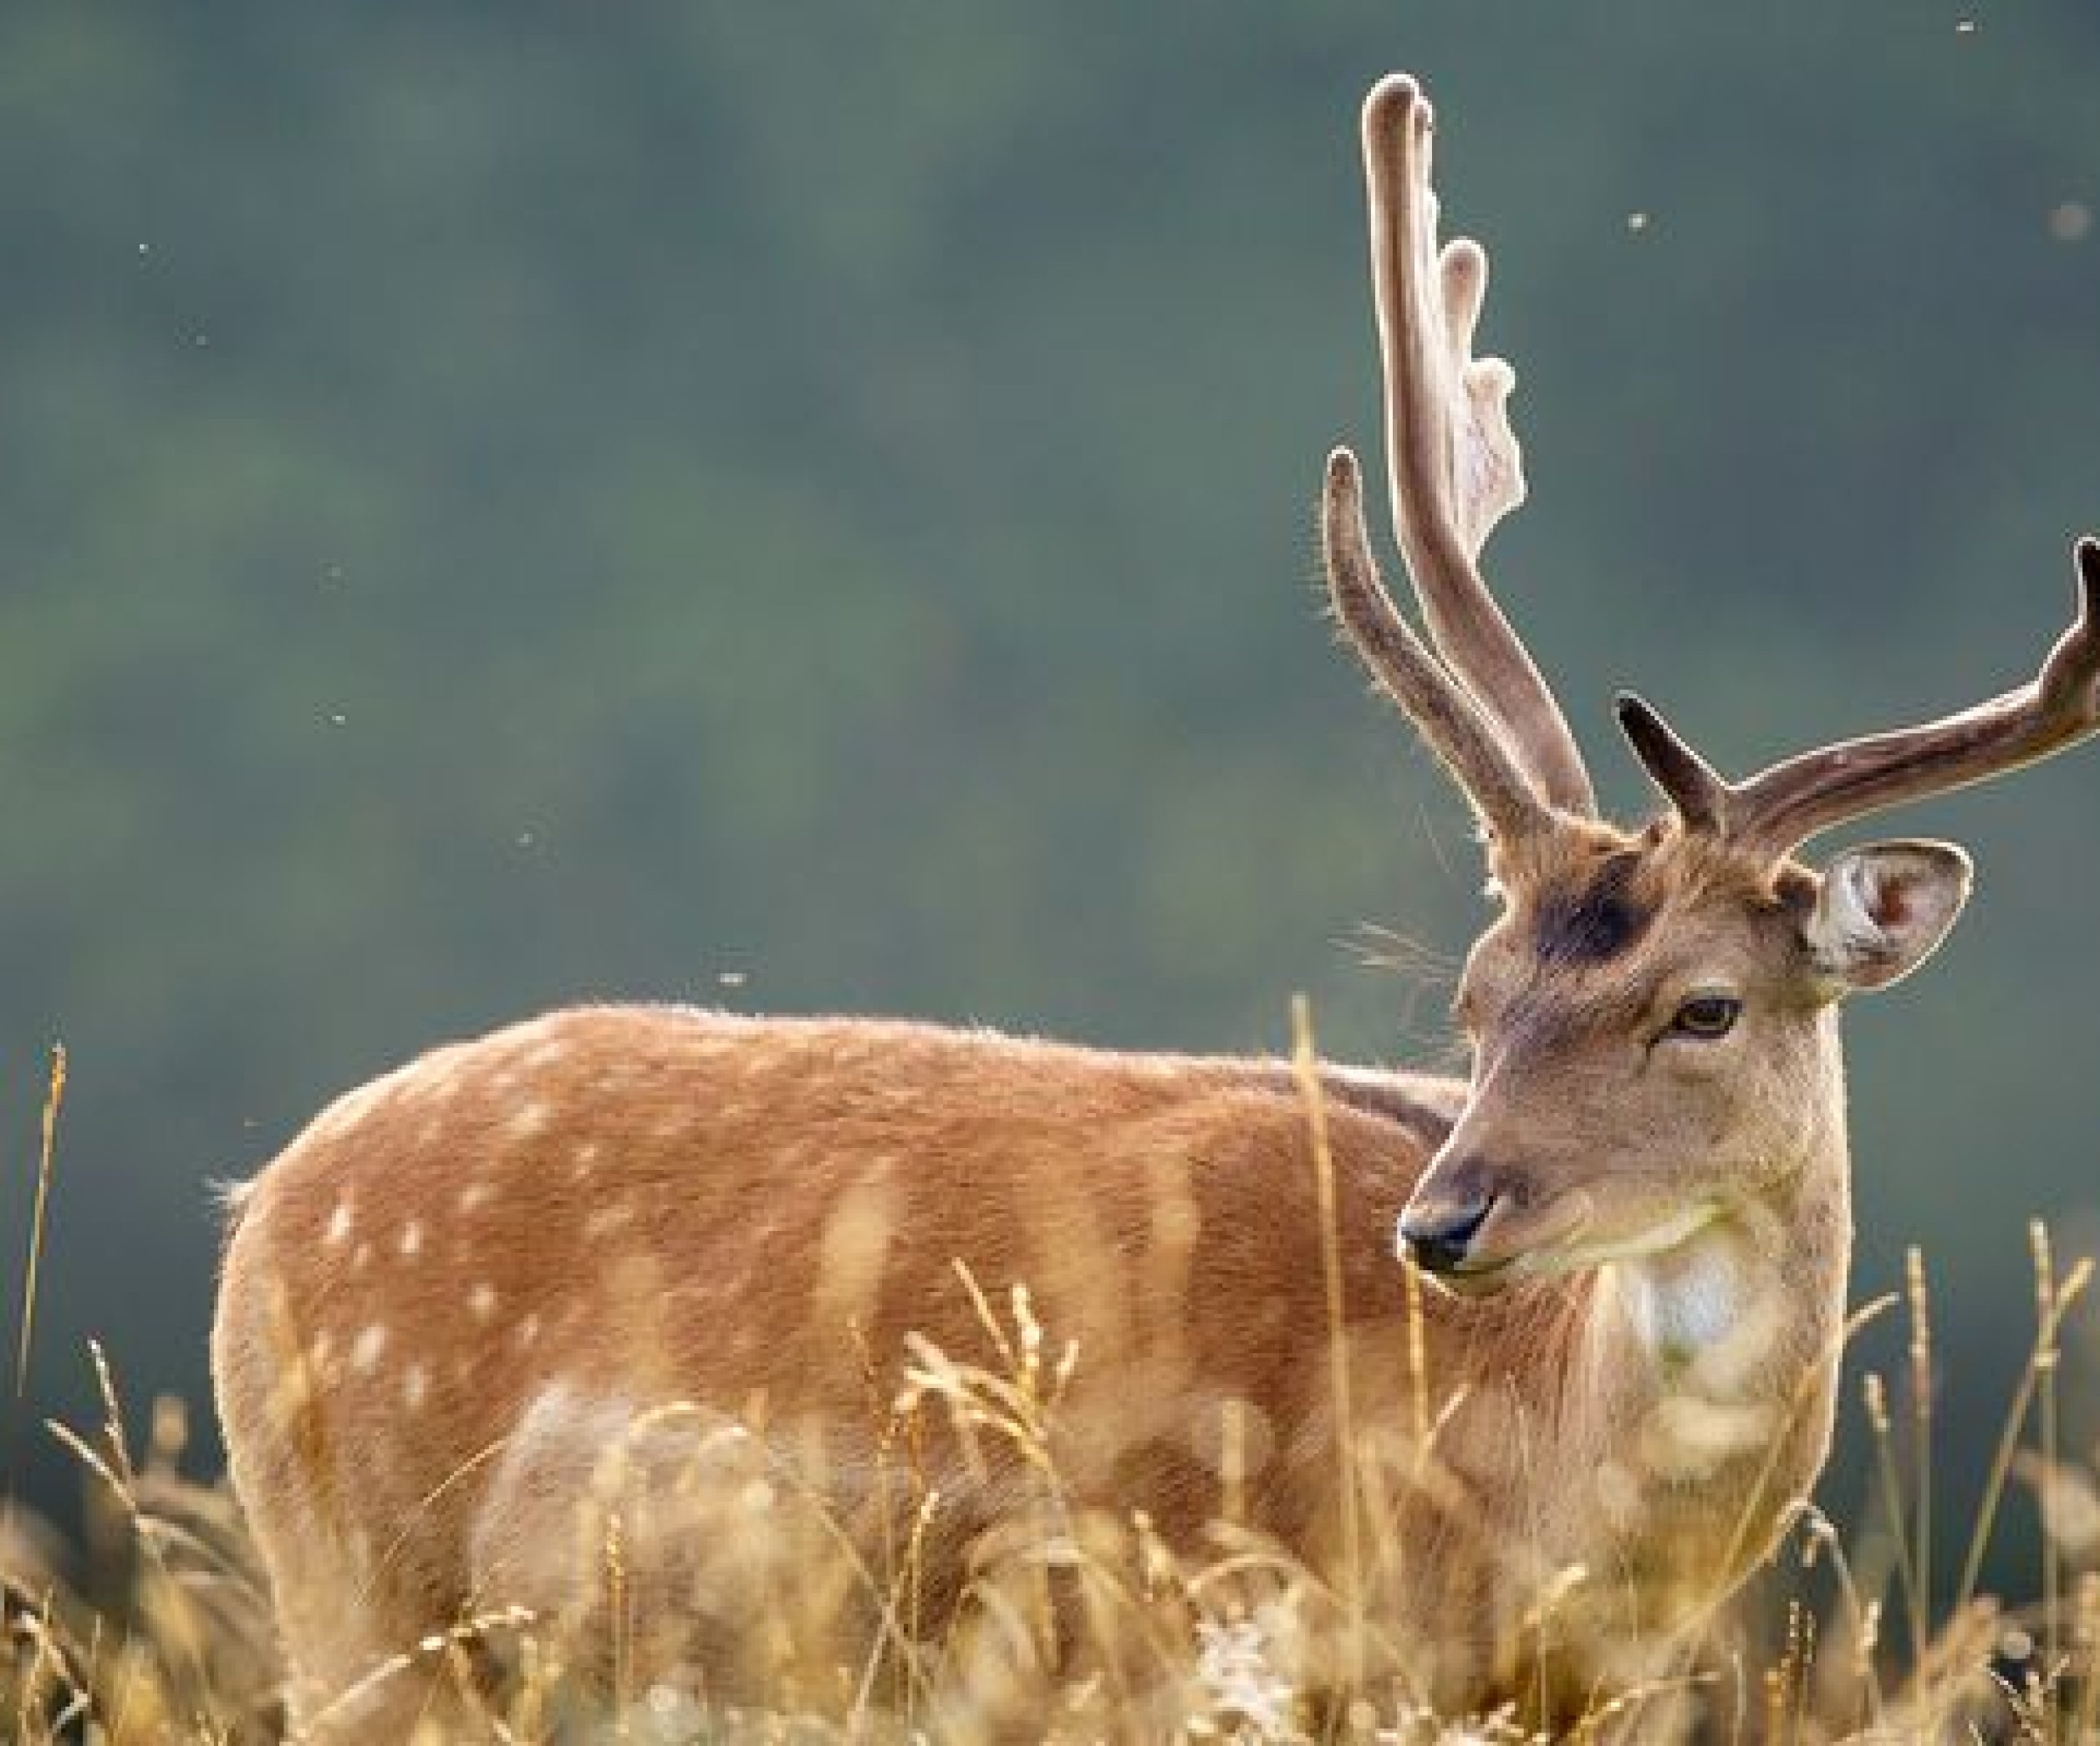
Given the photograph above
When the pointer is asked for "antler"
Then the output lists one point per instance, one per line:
(1457, 728)
(1455, 467)
(1782, 808)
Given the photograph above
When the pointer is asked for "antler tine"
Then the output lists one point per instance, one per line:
(1458, 730)
(1454, 465)
(1695, 787)
(1784, 806)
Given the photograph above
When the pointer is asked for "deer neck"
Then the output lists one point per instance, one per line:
(1719, 1360)
(1753, 1295)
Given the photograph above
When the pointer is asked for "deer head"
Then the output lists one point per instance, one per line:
(1652, 1015)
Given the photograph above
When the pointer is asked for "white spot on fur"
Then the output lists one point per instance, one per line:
(366, 1348)
(362, 1258)
(482, 1301)
(528, 1330)
(531, 1119)
(474, 1196)
(606, 1220)
(412, 1238)
(416, 1384)
(338, 1225)
(441, 1081)
(584, 1160)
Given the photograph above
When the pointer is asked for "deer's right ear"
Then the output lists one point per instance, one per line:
(1884, 910)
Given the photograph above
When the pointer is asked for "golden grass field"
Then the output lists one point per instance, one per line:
(156, 1626)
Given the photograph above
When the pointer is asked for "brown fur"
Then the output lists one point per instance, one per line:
(649, 1205)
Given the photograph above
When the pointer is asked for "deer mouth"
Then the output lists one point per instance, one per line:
(1570, 1249)
(1487, 1280)
(1538, 1248)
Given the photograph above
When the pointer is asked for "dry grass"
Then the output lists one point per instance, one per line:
(704, 1557)
(1841, 1642)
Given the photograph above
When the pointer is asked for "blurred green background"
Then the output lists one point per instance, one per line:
(809, 507)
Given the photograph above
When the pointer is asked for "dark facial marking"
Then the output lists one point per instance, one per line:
(1589, 926)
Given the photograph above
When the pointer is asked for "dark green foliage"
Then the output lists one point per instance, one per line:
(500, 505)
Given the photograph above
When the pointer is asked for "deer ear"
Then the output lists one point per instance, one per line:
(1884, 910)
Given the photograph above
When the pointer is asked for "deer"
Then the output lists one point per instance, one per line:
(1589, 1298)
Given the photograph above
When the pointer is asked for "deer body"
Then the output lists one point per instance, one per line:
(627, 1207)
(508, 1325)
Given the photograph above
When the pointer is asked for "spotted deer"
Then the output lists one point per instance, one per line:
(1586, 1302)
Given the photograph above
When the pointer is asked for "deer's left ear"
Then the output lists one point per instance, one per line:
(1884, 910)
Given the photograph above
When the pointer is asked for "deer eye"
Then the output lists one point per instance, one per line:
(1706, 1016)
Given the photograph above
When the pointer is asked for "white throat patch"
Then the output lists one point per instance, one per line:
(1685, 1303)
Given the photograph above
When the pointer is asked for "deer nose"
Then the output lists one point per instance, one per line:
(1439, 1239)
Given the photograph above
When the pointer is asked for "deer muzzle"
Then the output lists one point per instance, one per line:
(1476, 1226)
